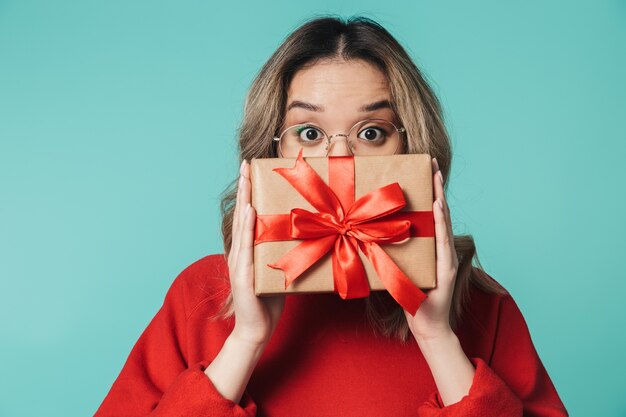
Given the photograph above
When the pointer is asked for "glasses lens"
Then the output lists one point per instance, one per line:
(374, 137)
(308, 137)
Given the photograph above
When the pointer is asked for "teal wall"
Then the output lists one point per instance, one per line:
(117, 126)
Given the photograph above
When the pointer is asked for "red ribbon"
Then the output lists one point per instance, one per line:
(369, 221)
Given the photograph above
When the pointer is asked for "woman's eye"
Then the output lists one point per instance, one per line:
(372, 134)
(308, 134)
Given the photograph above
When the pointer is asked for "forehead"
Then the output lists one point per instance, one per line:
(327, 81)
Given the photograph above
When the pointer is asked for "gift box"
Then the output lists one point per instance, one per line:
(344, 224)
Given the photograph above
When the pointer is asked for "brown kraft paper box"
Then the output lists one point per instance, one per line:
(273, 194)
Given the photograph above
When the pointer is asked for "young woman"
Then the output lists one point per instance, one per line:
(215, 349)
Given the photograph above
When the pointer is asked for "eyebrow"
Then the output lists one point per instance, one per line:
(381, 104)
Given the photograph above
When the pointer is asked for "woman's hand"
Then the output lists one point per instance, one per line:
(431, 321)
(451, 369)
(255, 317)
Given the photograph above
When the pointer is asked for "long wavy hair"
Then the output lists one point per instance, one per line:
(355, 38)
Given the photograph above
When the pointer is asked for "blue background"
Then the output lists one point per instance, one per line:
(117, 134)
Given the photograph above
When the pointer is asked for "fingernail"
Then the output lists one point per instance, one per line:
(439, 203)
(247, 209)
(440, 176)
(241, 167)
(436, 164)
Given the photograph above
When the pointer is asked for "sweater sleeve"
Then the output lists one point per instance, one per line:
(156, 379)
(514, 383)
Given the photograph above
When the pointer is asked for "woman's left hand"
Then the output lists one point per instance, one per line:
(432, 319)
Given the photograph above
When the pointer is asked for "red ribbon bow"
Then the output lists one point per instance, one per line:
(369, 221)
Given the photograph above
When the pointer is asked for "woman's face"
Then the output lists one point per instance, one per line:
(335, 95)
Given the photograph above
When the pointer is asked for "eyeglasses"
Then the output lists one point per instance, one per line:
(367, 137)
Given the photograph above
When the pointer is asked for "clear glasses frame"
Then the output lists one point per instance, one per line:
(329, 138)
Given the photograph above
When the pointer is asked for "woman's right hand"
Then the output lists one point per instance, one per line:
(255, 317)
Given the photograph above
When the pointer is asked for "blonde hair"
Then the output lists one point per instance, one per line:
(413, 101)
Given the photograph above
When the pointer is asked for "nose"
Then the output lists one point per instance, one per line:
(339, 146)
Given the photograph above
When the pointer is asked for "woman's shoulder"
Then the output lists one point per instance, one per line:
(214, 265)
(489, 305)
(486, 295)
(205, 280)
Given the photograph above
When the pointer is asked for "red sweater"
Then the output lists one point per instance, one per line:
(323, 360)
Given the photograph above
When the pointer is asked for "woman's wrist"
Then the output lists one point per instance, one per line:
(452, 370)
(248, 347)
(431, 343)
(231, 369)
